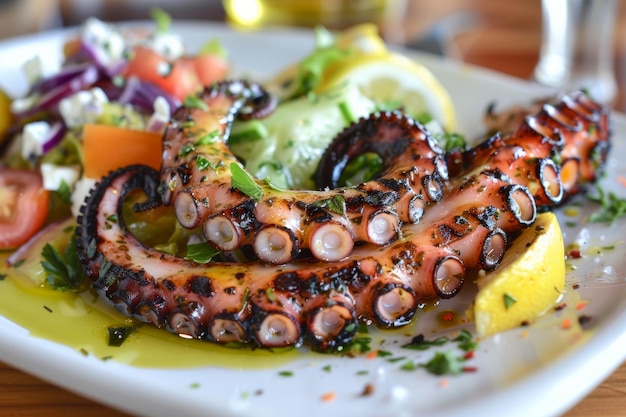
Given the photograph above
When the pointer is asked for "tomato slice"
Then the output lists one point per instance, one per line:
(181, 78)
(23, 206)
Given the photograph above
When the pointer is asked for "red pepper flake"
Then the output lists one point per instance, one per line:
(574, 253)
(576, 286)
(560, 307)
(622, 180)
(581, 305)
(447, 316)
(566, 323)
(443, 382)
(469, 369)
(372, 354)
(329, 397)
(469, 355)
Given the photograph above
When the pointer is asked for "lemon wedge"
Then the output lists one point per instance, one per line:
(529, 280)
(393, 78)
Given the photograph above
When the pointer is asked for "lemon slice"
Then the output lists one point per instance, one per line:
(393, 78)
(529, 280)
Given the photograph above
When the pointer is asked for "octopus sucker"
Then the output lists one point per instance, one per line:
(323, 261)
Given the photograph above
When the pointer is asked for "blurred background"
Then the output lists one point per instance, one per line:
(502, 35)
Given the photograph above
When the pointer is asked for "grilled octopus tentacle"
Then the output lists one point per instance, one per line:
(479, 210)
(252, 302)
(197, 175)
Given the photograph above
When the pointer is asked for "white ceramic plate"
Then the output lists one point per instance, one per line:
(537, 371)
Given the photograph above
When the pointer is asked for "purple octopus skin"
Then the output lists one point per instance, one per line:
(466, 226)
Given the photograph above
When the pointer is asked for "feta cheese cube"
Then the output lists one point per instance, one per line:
(55, 175)
(33, 69)
(167, 44)
(82, 107)
(106, 42)
(34, 135)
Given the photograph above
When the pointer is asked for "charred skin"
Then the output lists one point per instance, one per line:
(255, 302)
(446, 228)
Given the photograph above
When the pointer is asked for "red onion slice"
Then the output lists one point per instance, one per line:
(56, 133)
(50, 99)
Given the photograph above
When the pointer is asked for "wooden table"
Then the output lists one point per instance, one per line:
(507, 41)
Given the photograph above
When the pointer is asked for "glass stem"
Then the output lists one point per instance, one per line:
(577, 50)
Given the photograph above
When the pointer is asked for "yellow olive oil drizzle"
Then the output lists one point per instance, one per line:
(81, 322)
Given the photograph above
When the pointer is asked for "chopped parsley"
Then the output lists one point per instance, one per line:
(509, 300)
(612, 207)
(444, 363)
(195, 102)
(63, 272)
(335, 204)
(203, 163)
(65, 192)
(420, 343)
(119, 334)
(465, 341)
(210, 137)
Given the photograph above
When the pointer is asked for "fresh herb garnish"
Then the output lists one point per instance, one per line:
(63, 272)
(450, 140)
(65, 192)
(509, 300)
(203, 163)
(420, 343)
(201, 252)
(443, 363)
(195, 102)
(214, 47)
(612, 207)
(335, 204)
(285, 373)
(361, 169)
(465, 341)
(186, 149)
(243, 182)
(210, 137)
(312, 67)
(119, 334)
(161, 18)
